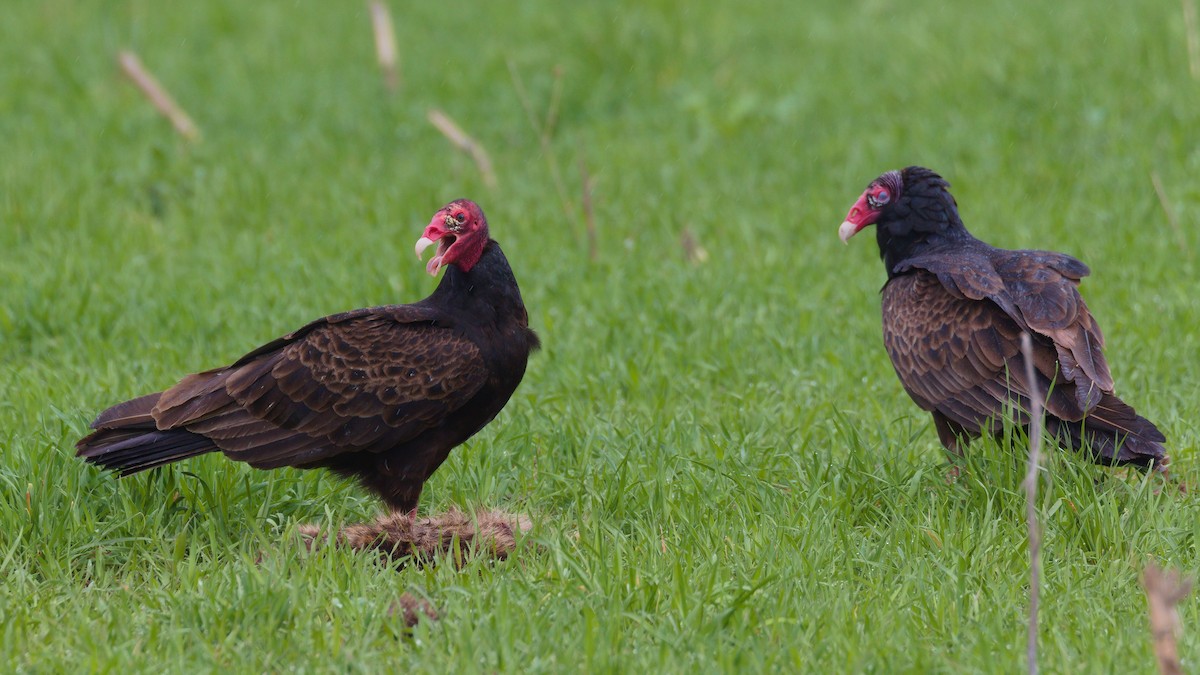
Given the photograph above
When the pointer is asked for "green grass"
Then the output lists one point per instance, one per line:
(727, 475)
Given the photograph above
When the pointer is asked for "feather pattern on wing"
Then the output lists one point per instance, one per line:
(365, 382)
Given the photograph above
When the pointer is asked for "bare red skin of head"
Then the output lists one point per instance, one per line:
(861, 214)
(882, 191)
(461, 232)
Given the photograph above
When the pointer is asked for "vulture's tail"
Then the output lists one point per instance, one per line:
(1114, 433)
(126, 439)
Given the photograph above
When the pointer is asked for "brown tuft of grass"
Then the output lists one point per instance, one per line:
(693, 252)
(401, 537)
(413, 609)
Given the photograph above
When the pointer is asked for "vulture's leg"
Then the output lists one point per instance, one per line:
(954, 438)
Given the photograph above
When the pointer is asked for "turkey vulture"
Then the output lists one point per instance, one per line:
(380, 394)
(954, 309)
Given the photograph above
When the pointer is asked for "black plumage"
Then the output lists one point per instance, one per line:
(954, 309)
(380, 394)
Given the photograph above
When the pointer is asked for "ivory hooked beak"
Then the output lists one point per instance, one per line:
(847, 230)
(422, 244)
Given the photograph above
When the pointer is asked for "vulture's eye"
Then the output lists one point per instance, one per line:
(460, 217)
(878, 199)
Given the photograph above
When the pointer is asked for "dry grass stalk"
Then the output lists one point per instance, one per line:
(1036, 405)
(1164, 590)
(1193, 37)
(132, 66)
(589, 218)
(402, 537)
(385, 43)
(544, 129)
(555, 98)
(461, 140)
(1166, 207)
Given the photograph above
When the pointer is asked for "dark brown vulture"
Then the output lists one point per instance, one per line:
(379, 394)
(954, 309)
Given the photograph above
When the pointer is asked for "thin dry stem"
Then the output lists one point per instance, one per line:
(132, 66)
(1030, 483)
(461, 140)
(385, 43)
(523, 98)
(589, 217)
(1170, 212)
(555, 99)
(544, 131)
(1164, 591)
(1193, 37)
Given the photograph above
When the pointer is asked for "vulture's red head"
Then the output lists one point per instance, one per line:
(912, 211)
(461, 232)
(871, 205)
(911, 204)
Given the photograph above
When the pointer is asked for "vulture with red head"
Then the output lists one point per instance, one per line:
(954, 309)
(379, 394)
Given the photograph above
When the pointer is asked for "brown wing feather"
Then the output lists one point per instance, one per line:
(363, 381)
(960, 357)
(1038, 291)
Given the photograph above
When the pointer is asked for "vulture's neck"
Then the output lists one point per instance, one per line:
(897, 249)
(488, 291)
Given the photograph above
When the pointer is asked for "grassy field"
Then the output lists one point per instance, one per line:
(725, 472)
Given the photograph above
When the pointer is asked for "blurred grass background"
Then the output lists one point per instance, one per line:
(727, 474)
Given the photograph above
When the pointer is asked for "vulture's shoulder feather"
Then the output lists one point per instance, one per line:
(363, 380)
(1039, 291)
